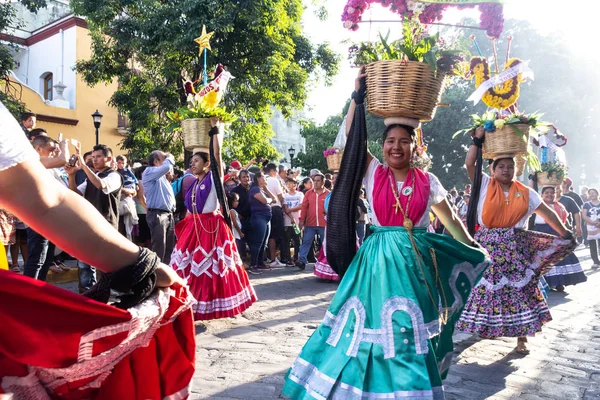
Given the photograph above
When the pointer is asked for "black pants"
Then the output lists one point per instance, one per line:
(594, 250)
(290, 237)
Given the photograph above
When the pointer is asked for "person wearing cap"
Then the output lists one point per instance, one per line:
(385, 334)
(507, 301)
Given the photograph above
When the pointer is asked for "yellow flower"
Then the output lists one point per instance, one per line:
(210, 101)
(499, 123)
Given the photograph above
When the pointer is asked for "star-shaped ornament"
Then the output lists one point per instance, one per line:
(204, 39)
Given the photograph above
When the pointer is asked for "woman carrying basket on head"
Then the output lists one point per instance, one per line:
(389, 327)
(507, 301)
(206, 253)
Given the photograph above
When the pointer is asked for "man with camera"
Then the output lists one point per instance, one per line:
(101, 188)
(53, 155)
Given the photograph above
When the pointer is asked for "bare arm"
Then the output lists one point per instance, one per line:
(586, 217)
(261, 197)
(551, 219)
(141, 195)
(578, 231)
(217, 145)
(129, 192)
(68, 220)
(235, 224)
(452, 222)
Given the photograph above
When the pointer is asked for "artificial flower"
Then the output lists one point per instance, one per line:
(499, 123)
(489, 126)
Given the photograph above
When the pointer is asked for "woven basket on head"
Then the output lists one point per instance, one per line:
(506, 141)
(195, 133)
(543, 179)
(397, 88)
(334, 161)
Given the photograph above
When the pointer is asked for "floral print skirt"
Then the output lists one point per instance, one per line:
(8, 228)
(507, 301)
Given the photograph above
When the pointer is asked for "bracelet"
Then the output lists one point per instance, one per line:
(478, 141)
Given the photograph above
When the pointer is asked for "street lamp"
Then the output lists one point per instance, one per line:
(97, 119)
(292, 153)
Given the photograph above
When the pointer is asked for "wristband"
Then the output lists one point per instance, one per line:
(213, 131)
(478, 141)
(357, 97)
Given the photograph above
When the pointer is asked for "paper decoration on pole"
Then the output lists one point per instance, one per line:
(204, 43)
(503, 90)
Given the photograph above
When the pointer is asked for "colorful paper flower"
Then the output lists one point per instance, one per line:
(489, 126)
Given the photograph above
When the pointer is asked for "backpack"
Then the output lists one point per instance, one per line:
(179, 195)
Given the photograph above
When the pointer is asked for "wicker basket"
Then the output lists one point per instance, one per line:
(195, 133)
(506, 141)
(334, 161)
(544, 180)
(397, 88)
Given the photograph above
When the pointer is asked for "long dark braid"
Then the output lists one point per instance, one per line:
(475, 194)
(341, 215)
(216, 176)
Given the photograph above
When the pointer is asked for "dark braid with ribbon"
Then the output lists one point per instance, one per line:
(341, 215)
(476, 190)
(216, 176)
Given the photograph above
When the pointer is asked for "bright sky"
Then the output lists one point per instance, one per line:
(574, 19)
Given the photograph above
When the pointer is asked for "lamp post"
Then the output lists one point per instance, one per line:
(292, 153)
(97, 119)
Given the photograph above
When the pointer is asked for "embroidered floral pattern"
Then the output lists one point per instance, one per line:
(507, 300)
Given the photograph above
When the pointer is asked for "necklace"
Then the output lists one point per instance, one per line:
(407, 191)
(199, 185)
(408, 225)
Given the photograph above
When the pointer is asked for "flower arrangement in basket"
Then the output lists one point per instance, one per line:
(508, 133)
(553, 167)
(405, 77)
(427, 12)
(203, 104)
(333, 156)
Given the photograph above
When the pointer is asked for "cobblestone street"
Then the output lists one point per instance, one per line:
(247, 357)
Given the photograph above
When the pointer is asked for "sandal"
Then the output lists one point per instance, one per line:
(15, 268)
(61, 265)
(521, 346)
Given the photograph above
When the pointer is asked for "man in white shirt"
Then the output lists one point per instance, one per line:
(277, 233)
(101, 188)
(291, 218)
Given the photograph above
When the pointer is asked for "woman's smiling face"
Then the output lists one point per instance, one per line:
(397, 148)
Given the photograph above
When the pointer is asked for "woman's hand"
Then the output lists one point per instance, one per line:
(479, 132)
(359, 83)
(166, 276)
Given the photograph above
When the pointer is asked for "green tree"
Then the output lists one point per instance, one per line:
(320, 138)
(260, 41)
(8, 19)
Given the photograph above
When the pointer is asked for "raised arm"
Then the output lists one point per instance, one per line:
(471, 159)
(360, 90)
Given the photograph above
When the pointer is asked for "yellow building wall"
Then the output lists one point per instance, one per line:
(88, 99)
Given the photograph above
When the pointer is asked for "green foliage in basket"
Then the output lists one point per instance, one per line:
(555, 168)
(416, 45)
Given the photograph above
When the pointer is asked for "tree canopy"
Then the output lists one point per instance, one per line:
(146, 44)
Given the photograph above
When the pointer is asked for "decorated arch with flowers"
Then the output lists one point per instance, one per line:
(429, 11)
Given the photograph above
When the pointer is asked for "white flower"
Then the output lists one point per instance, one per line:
(348, 24)
(419, 7)
(411, 4)
(350, 10)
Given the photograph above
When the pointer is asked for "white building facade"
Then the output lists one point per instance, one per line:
(287, 134)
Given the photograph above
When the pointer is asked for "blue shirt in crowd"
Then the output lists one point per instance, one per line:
(158, 190)
(256, 207)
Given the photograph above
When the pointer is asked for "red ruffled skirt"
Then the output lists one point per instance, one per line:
(206, 255)
(55, 344)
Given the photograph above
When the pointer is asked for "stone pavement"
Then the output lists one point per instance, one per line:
(247, 357)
